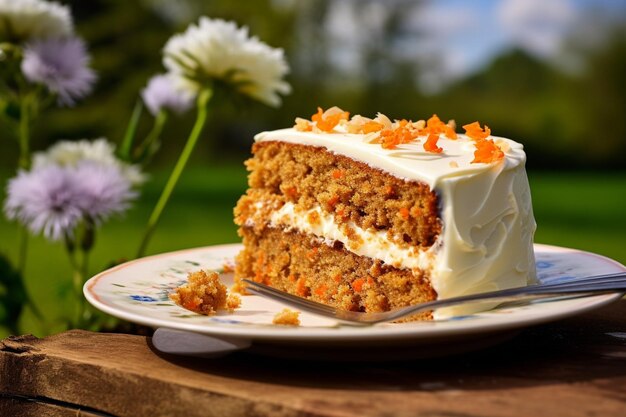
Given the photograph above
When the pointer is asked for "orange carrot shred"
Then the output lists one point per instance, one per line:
(450, 133)
(487, 151)
(338, 173)
(372, 126)
(321, 290)
(291, 192)
(474, 131)
(404, 213)
(357, 284)
(431, 144)
(301, 288)
(328, 123)
(333, 201)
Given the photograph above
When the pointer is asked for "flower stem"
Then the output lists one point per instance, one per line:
(24, 135)
(203, 100)
(21, 267)
(24, 163)
(146, 149)
(129, 135)
(79, 272)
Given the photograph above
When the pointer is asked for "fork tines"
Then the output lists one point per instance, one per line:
(293, 300)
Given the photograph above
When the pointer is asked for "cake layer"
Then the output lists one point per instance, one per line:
(352, 191)
(370, 243)
(304, 265)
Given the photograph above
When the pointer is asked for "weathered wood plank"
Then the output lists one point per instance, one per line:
(13, 407)
(575, 367)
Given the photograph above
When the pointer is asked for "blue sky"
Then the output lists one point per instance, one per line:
(463, 36)
(474, 32)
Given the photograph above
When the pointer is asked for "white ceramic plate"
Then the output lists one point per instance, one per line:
(137, 291)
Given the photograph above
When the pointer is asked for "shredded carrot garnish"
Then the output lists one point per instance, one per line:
(404, 213)
(292, 278)
(431, 144)
(487, 151)
(390, 135)
(327, 123)
(372, 126)
(337, 278)
(450, 133)
(474, 131)
(391, 138)
(434, 126)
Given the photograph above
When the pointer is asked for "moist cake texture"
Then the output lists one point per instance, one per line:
(371, 215)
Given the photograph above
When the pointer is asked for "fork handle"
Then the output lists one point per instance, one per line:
(597, 284)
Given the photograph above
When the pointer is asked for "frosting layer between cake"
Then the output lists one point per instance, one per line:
(488, 224)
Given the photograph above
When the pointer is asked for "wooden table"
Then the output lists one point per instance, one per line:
(575, 367)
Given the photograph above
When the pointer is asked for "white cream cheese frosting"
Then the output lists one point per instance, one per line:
(488, 225)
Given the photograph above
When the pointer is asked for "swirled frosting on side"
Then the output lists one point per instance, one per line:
(488, 225)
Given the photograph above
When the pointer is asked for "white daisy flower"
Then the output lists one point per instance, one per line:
(21, 20)
(101, 151)
(215, 49)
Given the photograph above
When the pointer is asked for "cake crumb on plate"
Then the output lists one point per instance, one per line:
(205, 294)
(287, 318)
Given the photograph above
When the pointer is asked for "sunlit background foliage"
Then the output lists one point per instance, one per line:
(562, 94)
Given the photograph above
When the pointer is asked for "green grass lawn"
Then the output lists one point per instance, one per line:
(578, 210)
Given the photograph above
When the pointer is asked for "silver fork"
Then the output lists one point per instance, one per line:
(597, 284)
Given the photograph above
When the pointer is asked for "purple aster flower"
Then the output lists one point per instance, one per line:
(44, 200)
(102, 190)
(162, 94)
(61, 65)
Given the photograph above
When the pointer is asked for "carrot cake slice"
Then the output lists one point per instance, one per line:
(370, 214)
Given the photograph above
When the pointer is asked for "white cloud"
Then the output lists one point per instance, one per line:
(442, 22)
(444, 36)
(538, 26)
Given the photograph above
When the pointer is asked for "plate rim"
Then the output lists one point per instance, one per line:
(401, 331)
